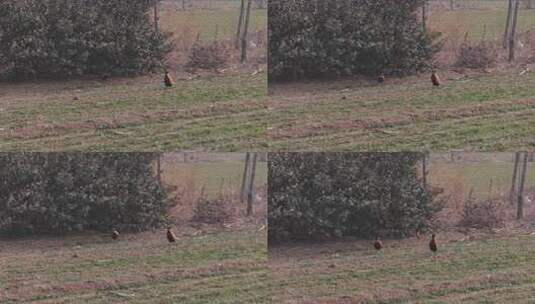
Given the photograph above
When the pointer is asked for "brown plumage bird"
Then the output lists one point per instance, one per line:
(115, 234)
(378, 245)
(433, 244)
(168, 80)
(170, 236)
(435, 79)
(381, 78)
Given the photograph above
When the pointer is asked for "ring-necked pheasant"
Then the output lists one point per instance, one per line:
(381, 78)
(170, 236)
(115, 234)
(168, 80)
(105, 76)
(378, 245)
(435, 79)
(433, 244)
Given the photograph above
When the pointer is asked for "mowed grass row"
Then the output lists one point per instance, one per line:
(215, 113)
(483, 113)
(483, 271)
(215, 268)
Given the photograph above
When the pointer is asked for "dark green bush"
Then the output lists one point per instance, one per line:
(343, 37)
(62, 192)
(314, 195)
(61, 38)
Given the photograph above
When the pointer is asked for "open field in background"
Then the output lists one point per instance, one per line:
(464, 176)
(207, 111)
(226, 267)
(134, 114)
(465, 270)
(209, 24)
(482, 112)
(215, 177)
(485, 21)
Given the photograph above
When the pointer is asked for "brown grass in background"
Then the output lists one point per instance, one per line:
(199, 25)
(210, 206)
(483, 205)
(480, 23)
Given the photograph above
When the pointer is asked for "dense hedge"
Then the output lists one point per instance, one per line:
(311, 38)
(315, 195)
(61, 38)
(62, 192)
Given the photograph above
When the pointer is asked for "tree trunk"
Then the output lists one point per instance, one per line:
(513, 182)
(520, 208)
(159, 168)
(245, 175)
(512, 37)
(424, 171)
(424, 15)
(508, 24)
(156, 16)
(244, 34)
(251, 186)
(240, 22)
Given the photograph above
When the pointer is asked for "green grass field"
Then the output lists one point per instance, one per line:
(215, 268)
(497, 270)
(482, 113)
(219, 113)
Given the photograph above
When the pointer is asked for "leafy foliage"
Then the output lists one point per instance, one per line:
(344, 37)
(61, 38)
(62, 192)
(314, 195)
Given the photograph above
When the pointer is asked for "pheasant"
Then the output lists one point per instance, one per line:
(435, 79)
(381, 78)
(433, 244)
(378, 245)
(115, 234)
(168, 80)
(170, 236)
